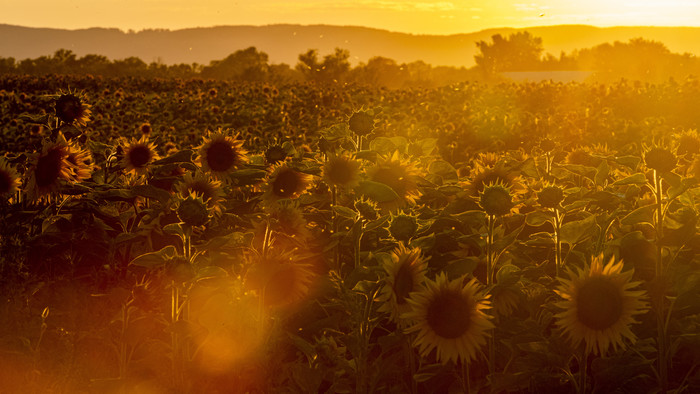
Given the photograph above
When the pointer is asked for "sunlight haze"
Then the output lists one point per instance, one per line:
(417, 17)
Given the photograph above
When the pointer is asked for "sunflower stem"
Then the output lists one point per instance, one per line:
(558, 263)
(583, 371)
(465, 377)
(660, 278)
(490, 268)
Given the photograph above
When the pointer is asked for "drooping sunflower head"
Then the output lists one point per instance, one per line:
(285, 182)
(71, 109)
(193, 211)
(138, 155)
(403, 227)
(599, 305)
(221, 153)
(449, 316)
(275, 153)
(289, 219)
(202, 185)
(400, 176)
(550, 196)
(342, 171)
(486, 170)
(660, 159)
(688, 143)
(496, 200)
(9, 179)
(361, 123)
(49, 169)
(366, 208)
(405, 272)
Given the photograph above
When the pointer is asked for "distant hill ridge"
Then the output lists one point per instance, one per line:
(283, 43)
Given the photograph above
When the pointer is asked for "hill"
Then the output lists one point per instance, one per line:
(283, 43)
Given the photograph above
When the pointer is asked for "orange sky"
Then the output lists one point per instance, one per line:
(410, 16)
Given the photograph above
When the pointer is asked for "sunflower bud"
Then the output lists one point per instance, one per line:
(496, 200)
(550, 196)
(403, 227)
(660, 159)
(193, 211)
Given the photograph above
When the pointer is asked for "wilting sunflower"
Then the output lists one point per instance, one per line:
(281, 278)
(400, 176)
(81, 162)
(599, 305)
(138, 154)
(9, 179)
(70, 109)
(342, 171)
(486, 170)
(49, 168)
(660, 159)
(202, 185)
(220, 153)
(284, 182)
(495, 199)
(449, 316)
(405, 274)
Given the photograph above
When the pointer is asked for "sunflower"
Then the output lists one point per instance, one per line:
(290, 220)
(202, 185)
(81, 162)
(9, 179)
(400, 176)
(495, 199)
(49, 168)
(487, 169)
(342, 171)
(449, 316)
(281, 278)
(70, 109)
(220, 153)
(660, 159)
(405, 274)
(599, 305)
(284, 183)
(138, 154)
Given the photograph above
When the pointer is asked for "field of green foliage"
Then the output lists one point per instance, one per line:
(198, 236)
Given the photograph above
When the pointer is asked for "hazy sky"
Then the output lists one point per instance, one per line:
(411, 16)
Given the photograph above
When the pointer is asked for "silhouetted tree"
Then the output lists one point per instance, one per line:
(518, 52)
(243, 65)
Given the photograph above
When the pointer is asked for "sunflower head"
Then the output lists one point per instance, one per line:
(449, 316)
(280, 278)
(290, 219)
(193, 211)
(361, 123)
(496, 200)
(70, 109)
(399, 175)
(275, 154)
(49, 168)
(342, 171)
(81, 162)
(660, 159)
(145, 129)
(221, 153)
(688, 144)
(547, 145)
(9, 179)
(550, 196)
(599, 305)
(405, 270)
(367, 208)
(138, 155)
(403, 227)
(285, 182)
(202, 185)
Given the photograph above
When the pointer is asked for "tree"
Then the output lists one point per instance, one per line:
(518, 52)
(334, 67)
(243, 65)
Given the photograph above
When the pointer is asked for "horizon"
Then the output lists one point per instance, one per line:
(410, 17)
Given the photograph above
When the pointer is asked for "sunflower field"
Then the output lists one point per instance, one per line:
(198, 236)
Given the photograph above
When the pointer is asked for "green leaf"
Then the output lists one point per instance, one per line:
(538, 218)
(345, 212)
(573, 232)
(508, 275)
(602, 173)
(152, 192)
(155, 259)
(636, 179)
(443, 169)
(376, 191)
(247, 176)
(383, 145)
(457, 268)
(183, 156)
(174, 228)
(425, 145)
(643, 214)
(211, 272)
(628, 161)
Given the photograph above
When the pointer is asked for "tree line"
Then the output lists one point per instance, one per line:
(638, 59)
